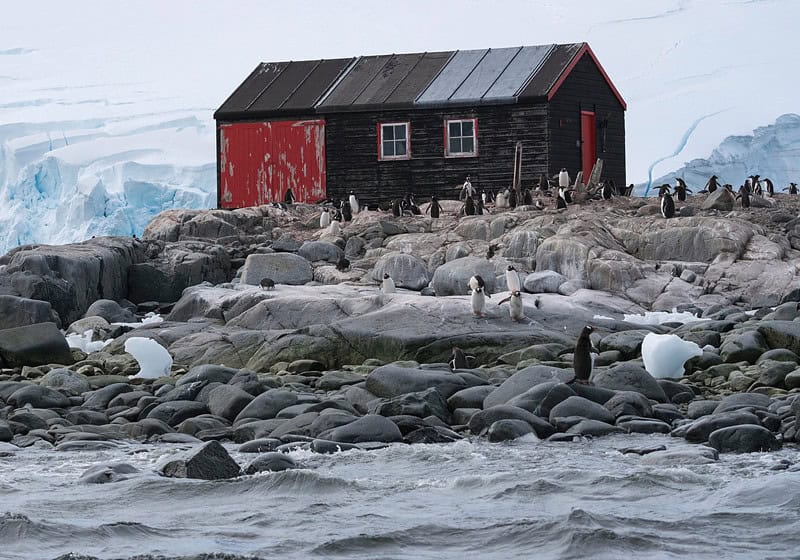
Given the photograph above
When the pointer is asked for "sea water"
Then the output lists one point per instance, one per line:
(470, 499)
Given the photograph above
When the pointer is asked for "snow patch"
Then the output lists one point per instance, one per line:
(664, 355)
(154, 360)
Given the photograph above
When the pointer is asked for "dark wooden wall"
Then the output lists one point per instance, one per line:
(586, 89)
(352, 152)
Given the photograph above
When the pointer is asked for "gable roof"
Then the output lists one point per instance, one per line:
(480, 76)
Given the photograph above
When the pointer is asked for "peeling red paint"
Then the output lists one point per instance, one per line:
(260, 160)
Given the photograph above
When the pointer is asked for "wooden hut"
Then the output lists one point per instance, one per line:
(383, 126)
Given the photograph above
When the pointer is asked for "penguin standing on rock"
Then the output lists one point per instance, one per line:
(607, 190)
(477, 283)
(347, 211)
(397, 209)
(325, 218)
(561, 199)
(343, 264)
(354, 206)
(744, 194)
(712, 185)
(267, 283)
(792, 188)
(514, 305)
(478, 301)
(681, 189)
(469, 207)
(387, 286)
(288, 198)
(512, 279)
(458, 360)
(667, 206)
(582, 356)
(434, 207)
(334, 228)
(770, 186)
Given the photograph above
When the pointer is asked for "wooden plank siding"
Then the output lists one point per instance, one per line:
(352, 152)
(586, 89)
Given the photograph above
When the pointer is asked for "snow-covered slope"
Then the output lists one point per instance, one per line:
(106, 107)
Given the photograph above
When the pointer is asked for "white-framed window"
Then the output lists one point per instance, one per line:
(394, 140)
(461, 137)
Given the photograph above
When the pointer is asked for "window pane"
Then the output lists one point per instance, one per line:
(455, 129)
(399, 132)
(388, 133)
(388, 148)
(466, 128)
(455, 145)
(400, 148)
(467, 145)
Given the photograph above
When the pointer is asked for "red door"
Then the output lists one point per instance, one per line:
(260, 161)
(588, 144)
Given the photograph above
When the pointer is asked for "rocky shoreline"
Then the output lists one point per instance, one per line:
(325, 361)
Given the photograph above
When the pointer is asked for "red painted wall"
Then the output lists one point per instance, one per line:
(260, 160)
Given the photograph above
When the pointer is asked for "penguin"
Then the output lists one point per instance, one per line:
(343, 264)
(629, 190)
(500, 200)
(792, 188)
(479, 207)
(744, 194)
(711, 185)
(347, 211)
(755, 185)
(354, 206)
(267, 283)
(563, 178)
(539, 205)
(527, 197)
(467, 190)
(476, 282)
(478, 303)
(397, 210)
(434, 208)
(614, 189)
(681, 189)
(387, 286)
(512, 279)
(581, 357)
(561, 199)
(469, 206)
(770, 186)
(334, 229)
(512, 198)
(607, 191)
(458, 360)
(484, 197)
(667, 204)
(490, 252)
(288, 198)
(325, 218)
(514, 305)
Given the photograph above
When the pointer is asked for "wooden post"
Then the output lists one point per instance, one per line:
(518, 172)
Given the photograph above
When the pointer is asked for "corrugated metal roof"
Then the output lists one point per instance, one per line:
(428, 79)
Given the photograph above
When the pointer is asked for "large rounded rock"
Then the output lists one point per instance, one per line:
(103, 474)
(630, 377)
(175, 412)
(267, 405)
(421, 404)
(207, 373)
(522, 244)
(282, 268)
(471, 397)
(525, 379)
(34, 345)
(541, 398)
(508, 429)
(270, 462)
(543, 282)
(111, 311)
(701, 429)
(474, 228)
(66, 380)
(38, 397)
(209, 461)
(744, 346)
(369, 428)
(227, 401)
(452, 278)
(743, 439)
(391, 381)
(720, 199)
(739, 401)
(629, 403)
(19, 312)
(584, 408)
(406, 270)
(481, 421)
(314, 251)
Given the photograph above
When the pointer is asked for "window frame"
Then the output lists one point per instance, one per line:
(474, 152)
(407, 155)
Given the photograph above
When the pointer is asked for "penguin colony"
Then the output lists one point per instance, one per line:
(558, 188)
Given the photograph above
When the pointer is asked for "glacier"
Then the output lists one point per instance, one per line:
(106, 112)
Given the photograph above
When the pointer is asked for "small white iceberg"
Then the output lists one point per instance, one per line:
(154, 360)
(84, 341)
(664, 354)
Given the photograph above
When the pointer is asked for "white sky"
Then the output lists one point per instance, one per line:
(674, 61)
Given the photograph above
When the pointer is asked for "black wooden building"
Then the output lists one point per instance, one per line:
(386, 125)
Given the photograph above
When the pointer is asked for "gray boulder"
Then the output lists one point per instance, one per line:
(508, 429)
(743, 439)
(742, 400)
(781, 334)
(19, 312)
(34, 345)
(452, 278)
(369, 428)
(103, 474)
(208, 373)
(541, 398)
(406, 270)
(525, 379)
(745, 346)
(630, 377)
(720, 199)
(66, 380)
(111, 311)
(270, 462)
(584, 408)
(481, 421)
(391, 381)
(282, 268)
(471, 397)
(100, 398)
(38, 397)
(594, 428)
(629, 403)
(522, 244)
(175, 412)
(543, 282)
(422, 404)
(267, 405)
(314, 251)
(209, 461)
(701, 429)
(228, 401)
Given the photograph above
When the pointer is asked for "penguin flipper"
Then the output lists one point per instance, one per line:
(503, 301)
